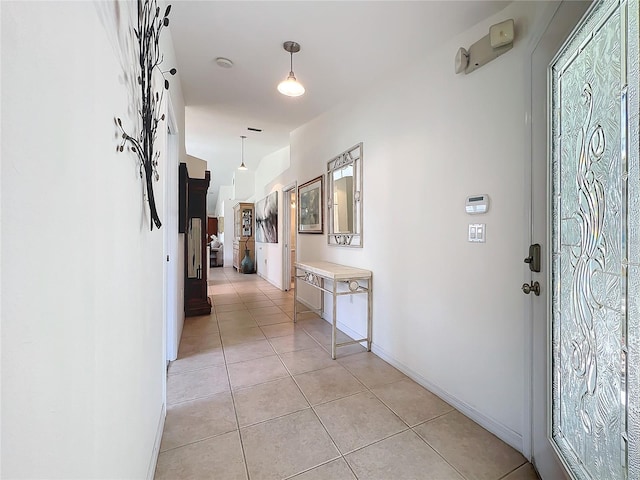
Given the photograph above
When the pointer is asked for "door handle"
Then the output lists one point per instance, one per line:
(534, 287)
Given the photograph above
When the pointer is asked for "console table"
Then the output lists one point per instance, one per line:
(351, 279)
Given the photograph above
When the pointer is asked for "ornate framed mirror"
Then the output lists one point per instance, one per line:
(344, 198)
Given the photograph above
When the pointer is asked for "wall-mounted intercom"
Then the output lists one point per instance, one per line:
(477, 204)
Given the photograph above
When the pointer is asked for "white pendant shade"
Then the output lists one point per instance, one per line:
(291, 87)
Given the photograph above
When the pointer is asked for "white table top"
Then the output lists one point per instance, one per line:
(333, 270)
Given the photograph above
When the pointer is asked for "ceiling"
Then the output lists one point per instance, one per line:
(345, 47)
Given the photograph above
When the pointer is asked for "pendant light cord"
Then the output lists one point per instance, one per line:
(242, 165)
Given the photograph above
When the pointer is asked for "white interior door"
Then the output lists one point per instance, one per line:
(585, 380)
(288, 234)
(173, 318)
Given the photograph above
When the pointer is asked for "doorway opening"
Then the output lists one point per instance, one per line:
(289, 225)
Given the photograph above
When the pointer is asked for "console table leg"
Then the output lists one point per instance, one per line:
(369, 313)
(335, 320)
(295, 296)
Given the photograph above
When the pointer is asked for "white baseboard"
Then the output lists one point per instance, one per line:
(345, 329)
(269, 280)
(501, 431)
(352, 333)
(308, 305)
(156, 444)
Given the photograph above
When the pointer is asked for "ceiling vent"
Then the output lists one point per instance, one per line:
(224, 62)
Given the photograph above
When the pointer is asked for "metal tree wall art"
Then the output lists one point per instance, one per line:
(147, 35)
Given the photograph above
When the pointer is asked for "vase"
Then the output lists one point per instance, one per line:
(246, 265)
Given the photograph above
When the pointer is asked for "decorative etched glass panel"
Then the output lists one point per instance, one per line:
(593, 424)
(632, 69)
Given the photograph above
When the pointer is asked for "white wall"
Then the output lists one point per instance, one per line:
(225, 205)
(196, 167)
(82, 326)
(174, 241)
(243, 184)
(225, 193)
(269, 255)
(447, 312)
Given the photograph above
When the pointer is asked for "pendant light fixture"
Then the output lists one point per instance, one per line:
(242, 165)
(291, 87)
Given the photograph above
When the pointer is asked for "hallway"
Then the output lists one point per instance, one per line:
(252, 394)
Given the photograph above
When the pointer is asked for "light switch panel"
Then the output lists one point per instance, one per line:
(477, 232)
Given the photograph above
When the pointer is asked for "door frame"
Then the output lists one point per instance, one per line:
(172, 318)
(559, 20)
(287, 191)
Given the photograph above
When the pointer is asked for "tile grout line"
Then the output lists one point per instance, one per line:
(235, 411)
(197, 441)
(274, 418)
(240, 289)
(397, 413)
(340, 455)
(312, 468)
(196, 398)
(510, 472)
(233, 396)
(367, 389)
(434, 449)
(313, 408)
(200, 398)
(195, 369)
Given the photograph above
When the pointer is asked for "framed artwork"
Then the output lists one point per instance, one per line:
(267, 219)
(310, 211)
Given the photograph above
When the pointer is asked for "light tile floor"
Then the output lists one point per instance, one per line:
(253, 395)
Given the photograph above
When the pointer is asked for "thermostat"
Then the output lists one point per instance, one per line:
(477, 204)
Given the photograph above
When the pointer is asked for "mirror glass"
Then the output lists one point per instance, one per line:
(194, 248)
(345, 198)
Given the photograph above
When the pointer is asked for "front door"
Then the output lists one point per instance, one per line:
(562, 21)
(591, 415)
